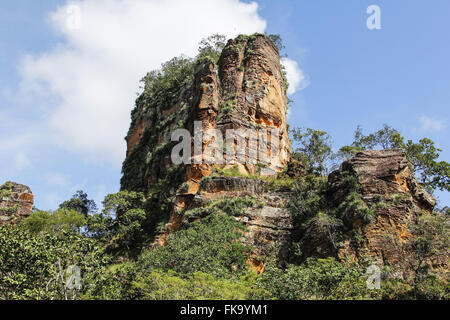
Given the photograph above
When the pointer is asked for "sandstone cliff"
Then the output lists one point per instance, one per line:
(16, 202)
(390, 194)
(370, 202)
(246, 89)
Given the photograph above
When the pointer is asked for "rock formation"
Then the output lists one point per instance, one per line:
(16, 202)
(374, 196)
(269, 222)
(389, 192)
(246, 89)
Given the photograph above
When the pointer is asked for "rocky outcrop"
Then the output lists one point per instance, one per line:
(269, 222)
(244, 90)
(16, 202)
(378, 197)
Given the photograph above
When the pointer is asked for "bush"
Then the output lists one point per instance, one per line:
(316, 279)
(209, 246)
(33, 266)
(160, 285)
(114, 282)
(55, 221)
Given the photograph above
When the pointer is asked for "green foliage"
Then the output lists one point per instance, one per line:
(160, 285)
(308, 197)
(423, 155)
(385, 138)
(80, 203)
(314, 148)
(280, 183)
(431, 239)
(347, 152)
(11, 210)
(355, 206)
(227, 109)
(126, 281)
(5, 190)
(32, 266)
(211, 48)
(114, 282)
(61, 220)
(129, 232)
(209, 246)
(121, 202)
(316, 279)
(100, 225)
(163, 86)
(277, 41)
(312, 214)
(285, 80)
(234, 206)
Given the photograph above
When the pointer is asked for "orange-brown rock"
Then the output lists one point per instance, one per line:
(246, 90)
(269, 222)
(389, 190)
(16, 202)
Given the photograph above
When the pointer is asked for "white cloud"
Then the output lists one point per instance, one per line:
(21, 162)
(52, 200)
(295, 76)
(95, 72)
(57, 179)
(431, 124)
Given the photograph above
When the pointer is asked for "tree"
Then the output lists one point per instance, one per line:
(423, 156)
(430, 244)
(317, 279)
(55, 221)
(128, 228)
(210, 245)
(33, 266)
(277, 41)
(80, 203)
(385, 138)
(314, 148)
(212, 47)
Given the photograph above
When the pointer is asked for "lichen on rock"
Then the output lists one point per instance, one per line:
(391, 194)
(16, 202)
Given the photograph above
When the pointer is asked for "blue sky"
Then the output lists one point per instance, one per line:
(65, 95)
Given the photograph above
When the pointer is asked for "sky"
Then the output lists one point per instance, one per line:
(70, 71)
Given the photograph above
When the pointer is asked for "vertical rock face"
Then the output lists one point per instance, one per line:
(245, 90)
(269, 222)
(16, 202)
(390, 192)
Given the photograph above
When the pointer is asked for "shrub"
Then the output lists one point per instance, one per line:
(316, 279)
(210, 246)
(55, 221)
(160, 285)
(32, 266)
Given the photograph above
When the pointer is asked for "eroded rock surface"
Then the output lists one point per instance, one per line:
(246, 89)
(269, 222)
(390, 191)
(16, 202)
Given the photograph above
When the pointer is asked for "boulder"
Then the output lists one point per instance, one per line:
(16, 202)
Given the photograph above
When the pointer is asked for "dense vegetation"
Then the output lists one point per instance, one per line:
(203, 260)
(113, 248)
